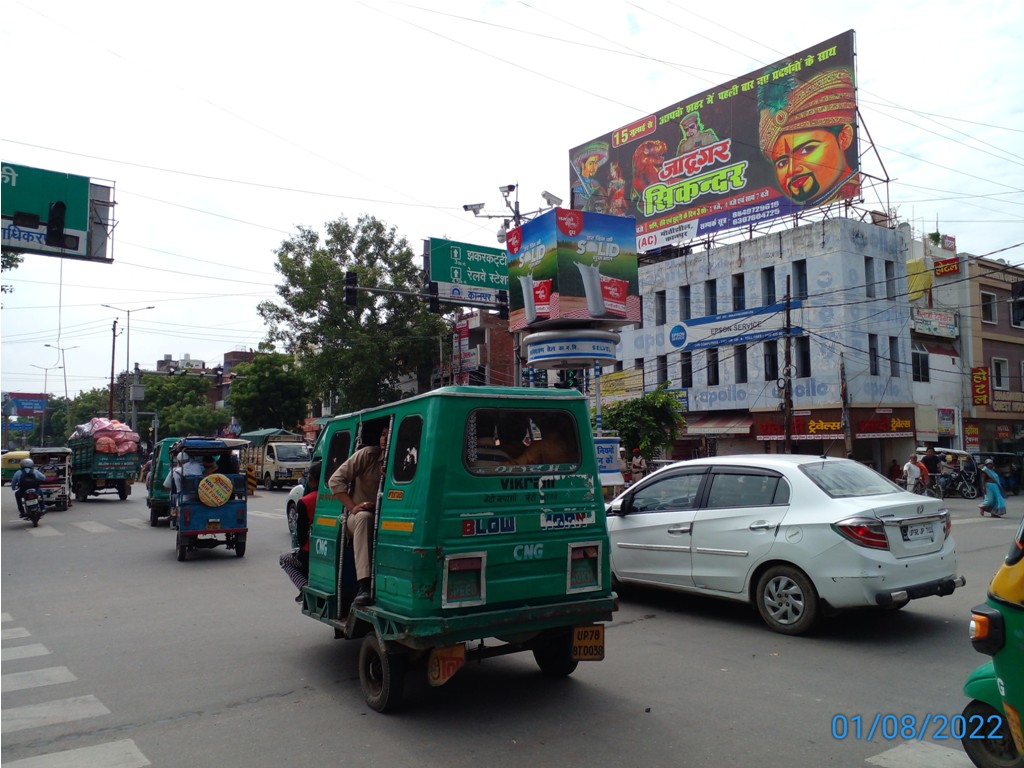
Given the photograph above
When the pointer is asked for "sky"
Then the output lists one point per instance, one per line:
(223, 130)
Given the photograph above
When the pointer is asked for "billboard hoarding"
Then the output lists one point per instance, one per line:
(572, 266)
(28, 404)
(771, 143)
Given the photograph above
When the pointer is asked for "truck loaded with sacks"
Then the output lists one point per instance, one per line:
(104, 458)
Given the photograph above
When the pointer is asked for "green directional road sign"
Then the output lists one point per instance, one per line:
(44, 211)
(466, 273)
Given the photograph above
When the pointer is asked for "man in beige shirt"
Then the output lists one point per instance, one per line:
(362, 472)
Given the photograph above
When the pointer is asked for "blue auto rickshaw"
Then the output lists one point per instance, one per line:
(208, 495)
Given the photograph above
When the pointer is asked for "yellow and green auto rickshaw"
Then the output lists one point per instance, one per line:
(489, 536)
(993, 737)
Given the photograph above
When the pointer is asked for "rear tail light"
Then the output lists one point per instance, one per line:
(947, 525)
(584, 567)
(464, 583)
(865, 532)
(187, 516)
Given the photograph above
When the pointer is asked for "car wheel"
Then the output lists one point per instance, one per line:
(381, 675)
(787, 600)
(292, 517)
(1000, 752)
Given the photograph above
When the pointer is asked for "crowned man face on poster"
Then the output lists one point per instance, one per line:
(807, 132)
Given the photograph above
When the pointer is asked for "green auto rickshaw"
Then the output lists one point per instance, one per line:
(993, 736)
(488, 536)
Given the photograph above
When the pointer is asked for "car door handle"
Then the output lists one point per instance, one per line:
(761, 525)
(680, 529)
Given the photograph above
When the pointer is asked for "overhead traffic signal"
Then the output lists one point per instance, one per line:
(55, 224)
(503, 305)
(433, 304)
(351, 284)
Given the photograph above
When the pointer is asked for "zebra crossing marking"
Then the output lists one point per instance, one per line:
(36, 678)
(13, 719)
(116, 754)
(24, 652)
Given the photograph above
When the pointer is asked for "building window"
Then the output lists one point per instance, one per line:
(919, 361)
(710, 297)
(799, 287)
(894, 357)
(662, 369)
(740, 360)
(872, 354)
(767, 286)
(890, 280)
(771, 360)
(803, 356)
(988, 308)
(739, 293)
(1000, 373)
(685, 311)
(659, 308)
(686, 369)
(713, 367)
(638, 365)
(869, 277)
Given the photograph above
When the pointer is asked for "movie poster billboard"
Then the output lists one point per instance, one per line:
(573, 266)
(771, 143)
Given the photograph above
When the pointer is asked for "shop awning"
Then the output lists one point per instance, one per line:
(718, 424)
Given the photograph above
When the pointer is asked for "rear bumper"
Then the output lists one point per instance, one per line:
(937, 588)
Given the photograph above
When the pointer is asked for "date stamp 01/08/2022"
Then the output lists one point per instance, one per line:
(909, 727)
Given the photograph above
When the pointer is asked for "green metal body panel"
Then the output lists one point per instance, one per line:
(87, 461)
(520, 524)
(156, 494)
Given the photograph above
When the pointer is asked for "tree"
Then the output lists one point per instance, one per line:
(9, 260)
(181, 405)
(647, 422)
(355, 354)
(268, 392)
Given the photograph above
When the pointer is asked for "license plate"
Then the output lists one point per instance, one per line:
(917, 532)
(213, 524)
(588, 643)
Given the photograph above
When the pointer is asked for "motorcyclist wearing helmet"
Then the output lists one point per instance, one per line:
(26, 477)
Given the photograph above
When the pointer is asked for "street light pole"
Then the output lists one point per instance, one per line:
(63, 365)
(46, 374)
(128, 354)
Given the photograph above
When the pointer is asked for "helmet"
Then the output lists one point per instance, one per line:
(949, 458)
(27, 464)
(182, 457)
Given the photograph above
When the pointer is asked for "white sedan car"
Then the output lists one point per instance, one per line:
(796, 536)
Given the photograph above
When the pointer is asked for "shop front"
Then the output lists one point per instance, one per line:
(879, 434)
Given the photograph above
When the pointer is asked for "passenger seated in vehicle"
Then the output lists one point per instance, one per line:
(209, 466)
(547, 445)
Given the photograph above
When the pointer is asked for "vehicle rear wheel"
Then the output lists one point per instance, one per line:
(81, 492)
(122, 489)
(555, 657)
(154, 515)
(240, 545)
(381, 675)
(787, 600)
(968, 490)
(182, 548)
(1000, 752)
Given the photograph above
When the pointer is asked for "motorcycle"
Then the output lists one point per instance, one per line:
(959, 483)
(33, 504)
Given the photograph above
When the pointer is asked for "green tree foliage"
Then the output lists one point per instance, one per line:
(647, 422)
(9, 260)
(268, 392)
(360, 352)
(181, 404)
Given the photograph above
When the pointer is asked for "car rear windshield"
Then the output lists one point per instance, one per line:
(520, 440)
(846, 479)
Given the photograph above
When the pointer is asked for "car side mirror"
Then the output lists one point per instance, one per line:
(619, 507)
